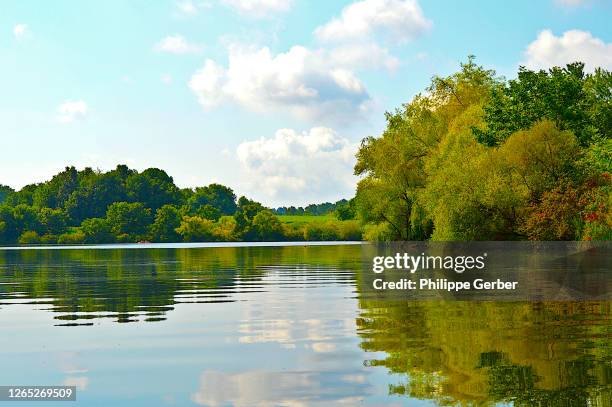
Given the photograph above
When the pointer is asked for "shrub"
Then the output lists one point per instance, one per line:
(376, 232)
(196, 229)
(71, 238)
(48, 239)
(29, 237)
(350, 230)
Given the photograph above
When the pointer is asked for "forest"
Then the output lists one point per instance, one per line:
(127, 206)
(473, 157)
(478, 157)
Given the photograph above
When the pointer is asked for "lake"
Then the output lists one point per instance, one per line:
(290, 325)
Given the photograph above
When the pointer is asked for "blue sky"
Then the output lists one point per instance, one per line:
(269, 97)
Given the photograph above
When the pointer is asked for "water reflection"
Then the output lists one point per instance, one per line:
(286, 326)
(132, 285)
(280, 389)
(556, 354)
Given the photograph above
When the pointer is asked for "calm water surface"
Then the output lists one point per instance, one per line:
(286, 325)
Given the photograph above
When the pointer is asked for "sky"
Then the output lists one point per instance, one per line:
(269, 97)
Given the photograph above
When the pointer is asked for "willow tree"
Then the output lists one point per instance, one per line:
(393, 166)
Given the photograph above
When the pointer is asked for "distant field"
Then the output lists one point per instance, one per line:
(300, 219)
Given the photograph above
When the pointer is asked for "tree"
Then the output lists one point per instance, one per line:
(8, 225)
(167, 220)
(540, 156)
(52, 221)
(153, 187)
(55, 193)
(29, 237)
(129, 219)
(346, 210)
(217, 196)
(26, 218)
(95, 193)
(97, 230)
(247, 210)
(5, 191)
(567, 96)
(196, 229)
(225, 229)
(393, 166)
(266, 226)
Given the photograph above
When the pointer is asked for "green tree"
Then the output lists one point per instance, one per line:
(153, 187)
(266, 226)
(393, 166)
(130, 219)
(167, 220)
(247, 210)
(8, 225)
(97, 230)
(5, 191)
(29, 237)
(26, 218)
(225, 229)
(217, 196)
(570, 98)
(346, 211)
(52, 221)
(196, 229)
(95, 193)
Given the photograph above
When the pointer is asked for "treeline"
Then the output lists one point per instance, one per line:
(342, 209)
(124, 205)
(477, 157)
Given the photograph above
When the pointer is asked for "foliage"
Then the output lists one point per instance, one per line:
(266, 226)
(29, 237)
(130, 219)
(570, 98)
(478, 158)
(196, 229)
(97, 230)
(167, 220)
(71, 238)
(215, 197)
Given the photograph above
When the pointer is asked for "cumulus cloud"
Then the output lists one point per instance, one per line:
(549, 50)
(177, 44)
(259, 8)
(307, 83)
(71, 111)
(401, 20)
(19, 31)
(314, 165)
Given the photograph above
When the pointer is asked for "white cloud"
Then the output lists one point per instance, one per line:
(549, 50)
(308, 84)
(259, 8)
(19, 31)
(177, 44)
(71, 111)
(402, 20)
(314, 165)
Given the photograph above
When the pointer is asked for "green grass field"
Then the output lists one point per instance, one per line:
(301, 219)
